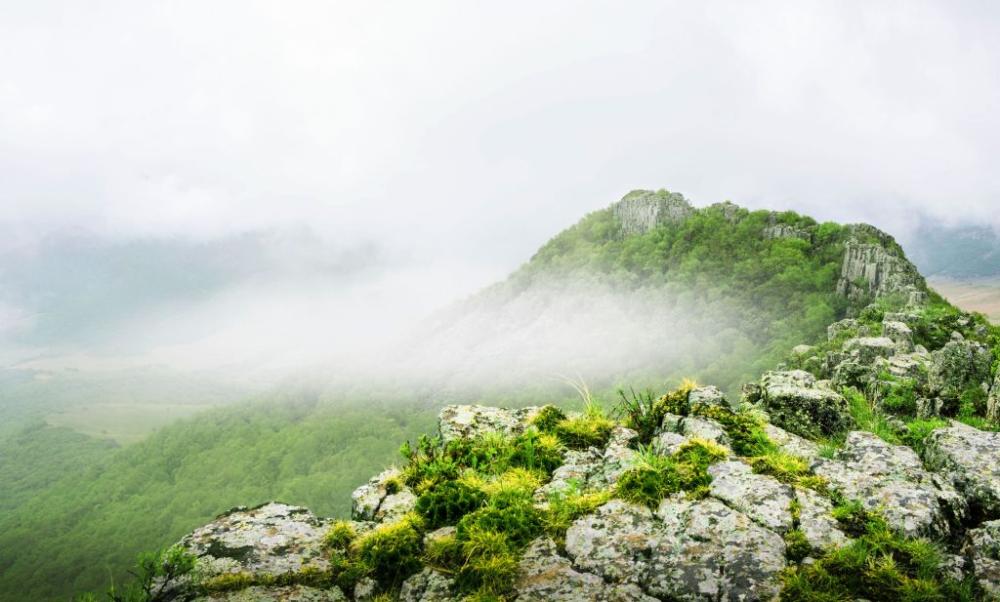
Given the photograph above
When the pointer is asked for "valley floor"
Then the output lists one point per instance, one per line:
(982, 295)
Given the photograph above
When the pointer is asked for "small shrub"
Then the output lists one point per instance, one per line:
(547, 418)
(392, 551)
(785, 467)
(797, 547)
(918, 430)
(589, 430)
(536, 451)
(692, 459)
(640, 412)
(340, 535)
(744, 428)
(852, 516)
(655, 477)
(490, 562)
(445, 553)
(448, 502)
(878, 565)
(516, 517)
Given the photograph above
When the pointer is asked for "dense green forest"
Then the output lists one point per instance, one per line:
(76, 509)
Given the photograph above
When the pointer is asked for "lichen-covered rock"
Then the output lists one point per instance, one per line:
(469, 421)
(613, 542)
(959, 365)
(900, 334)
(795, 401)
(592, 468)
(394, 506)
(667, 443)
(618, 457)
(688, 551)
(970, 458)
(290, 593)
(791, 443)
(993, 401)
(707, 551)
(544, 575)
(982, 550)
(365, 590)
(273, 539)
(866, 349)
(707, 397)
(892, 478)
(704, 428)
(642, 210)
(815, 521)
(427, 586)
(764, 499)
(913, 366)
(366, 500)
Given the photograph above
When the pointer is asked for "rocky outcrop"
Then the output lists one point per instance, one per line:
(642, 210)
(872, 267)
(982, 551)
(970, 458)
(959, 365)
(468, 421)
(795, 401)
(685, 551)
(891, 478)
(273, 539)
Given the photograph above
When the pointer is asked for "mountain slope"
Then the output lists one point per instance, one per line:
(642, 293)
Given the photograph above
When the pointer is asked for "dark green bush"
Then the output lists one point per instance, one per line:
(446, 503)
(547, 418)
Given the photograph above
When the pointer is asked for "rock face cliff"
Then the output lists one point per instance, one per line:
(642, 210)
(874, 266)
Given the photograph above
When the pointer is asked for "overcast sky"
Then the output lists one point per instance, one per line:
(461, 135)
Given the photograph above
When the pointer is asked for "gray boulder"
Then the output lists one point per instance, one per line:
(970, 458)
(993, 401)
(273, 539)
(427, 586)
(959, 365)
(613, 542)
(891, 478)
(469, 421)
(546, 576)
(707, 551)
(797, 403)
(367, 499)
(791, 443)
(764, 499)
(874, 269)
(900, 334)
(837, 329)
(982, 551)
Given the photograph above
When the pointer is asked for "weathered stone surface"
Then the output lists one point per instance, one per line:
(707, 396)
(871, 268)
(816, 523)
(667, 443)
(395, 506)
(427, 586)
(689, 551)
(291, 593)
(707, 551)
(900, 334)
(785, 231)
(795, 402)
(993, 401)
(469, 421)
(866, 349)
(544, 575)
(791, 443)
(971, 459)
(764, 499)
(892, 478)
(274, 539)
(704, 428)
(618, 457)
(959, 365)
(365, 590)
(642, 210)
(613, 542)
(366, 500)
(914, 366)
(982, 551)
(577, 471)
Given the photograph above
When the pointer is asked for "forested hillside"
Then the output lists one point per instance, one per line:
(739, 289)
